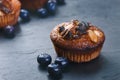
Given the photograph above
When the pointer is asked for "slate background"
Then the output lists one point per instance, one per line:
(18, 55)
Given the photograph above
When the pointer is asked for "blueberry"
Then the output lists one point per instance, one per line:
(54, 70)
(25, 15)
(9, 31)
(60, 2)
(44, 59)
(51, 6)
(42, 12)
(62, 28)
(86, 24)
(82, 27)
(62, 62)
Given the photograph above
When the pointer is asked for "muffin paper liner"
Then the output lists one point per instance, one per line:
(79, 55)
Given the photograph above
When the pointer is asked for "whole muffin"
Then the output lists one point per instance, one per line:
(77, 41)
(9, 12)
(33, 4)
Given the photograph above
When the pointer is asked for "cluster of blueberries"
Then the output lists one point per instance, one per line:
(50, 8)
(54, 69)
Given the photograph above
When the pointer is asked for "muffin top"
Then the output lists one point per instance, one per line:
(77, 35)
(5, 7)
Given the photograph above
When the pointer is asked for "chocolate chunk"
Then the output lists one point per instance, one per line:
(4, 9)
(61, 29)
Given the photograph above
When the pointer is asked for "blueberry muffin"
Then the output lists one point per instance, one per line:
(78, 41)
(9, 12)
(33, 4)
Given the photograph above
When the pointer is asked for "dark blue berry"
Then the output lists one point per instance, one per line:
(51, 6)
(86, 24)
(42, 12)
(60, 2)
(62, 28)
(82, 27)
(25, 15)
(54, 70)
(62, 62)
(9, 31)
(44, 59)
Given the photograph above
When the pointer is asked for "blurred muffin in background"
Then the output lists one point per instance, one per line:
(9, 12)
(33, 4)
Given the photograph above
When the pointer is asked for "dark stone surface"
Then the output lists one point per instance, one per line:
(18, 55)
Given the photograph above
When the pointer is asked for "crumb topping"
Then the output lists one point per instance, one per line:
(74, 29)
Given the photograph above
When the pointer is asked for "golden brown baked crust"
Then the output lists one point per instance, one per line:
(83, 48)
(33, 4)
(79, 55)
(84, 42)
(9, 12)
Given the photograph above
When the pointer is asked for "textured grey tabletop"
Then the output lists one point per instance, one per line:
(18, 55)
